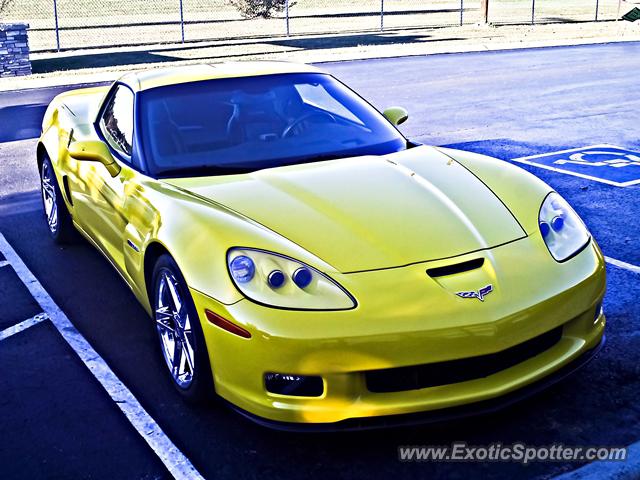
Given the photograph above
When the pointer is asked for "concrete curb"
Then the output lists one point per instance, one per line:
(107, 74)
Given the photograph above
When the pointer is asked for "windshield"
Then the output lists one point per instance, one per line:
(240, 125)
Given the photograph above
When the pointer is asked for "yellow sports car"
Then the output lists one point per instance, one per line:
(305, 261)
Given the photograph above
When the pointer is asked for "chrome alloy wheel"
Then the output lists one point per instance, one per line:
(174, 329)
(49, 198)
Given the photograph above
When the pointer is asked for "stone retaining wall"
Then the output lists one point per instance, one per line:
(14, 50)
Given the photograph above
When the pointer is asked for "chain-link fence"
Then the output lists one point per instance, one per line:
(75, 24)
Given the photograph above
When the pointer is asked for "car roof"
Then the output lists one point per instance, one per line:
(160, 77)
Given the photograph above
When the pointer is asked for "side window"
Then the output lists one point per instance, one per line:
(117, 121)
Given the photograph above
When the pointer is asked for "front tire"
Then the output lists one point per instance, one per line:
(180, 334)
(58, 218)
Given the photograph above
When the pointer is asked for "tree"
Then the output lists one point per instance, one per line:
(257, 8)
(4, 6)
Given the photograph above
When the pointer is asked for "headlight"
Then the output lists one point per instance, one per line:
(561, 228)
(283, 282)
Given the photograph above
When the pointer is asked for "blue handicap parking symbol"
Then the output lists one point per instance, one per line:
(602, 163)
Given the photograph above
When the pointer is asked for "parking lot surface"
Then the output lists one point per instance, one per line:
(57, 420)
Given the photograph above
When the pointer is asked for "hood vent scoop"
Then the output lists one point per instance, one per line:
(456, 268)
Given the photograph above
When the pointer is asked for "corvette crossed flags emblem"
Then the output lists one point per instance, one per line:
(480, 294)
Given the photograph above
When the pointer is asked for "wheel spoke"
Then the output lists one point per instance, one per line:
(53, 216)
(190, 362)
(177, 358)
(188, 350)
(184, 362)
(167, 347)
(47, 187)
(47, 207)
(175, 298)
(162, 323)
(164, 314)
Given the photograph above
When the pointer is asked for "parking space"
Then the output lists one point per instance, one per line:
(608, 164)
(22, 306)
(511, 105)
(65, 403)
(55, 417)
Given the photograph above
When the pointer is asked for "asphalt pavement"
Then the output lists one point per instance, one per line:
(56, 421)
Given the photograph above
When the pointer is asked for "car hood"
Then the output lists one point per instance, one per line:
(373, 212)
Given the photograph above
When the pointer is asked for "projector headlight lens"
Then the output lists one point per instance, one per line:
(563, 231)
(276, 279)
(302, 277)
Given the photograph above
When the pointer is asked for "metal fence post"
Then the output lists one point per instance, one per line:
(461, 10)
(533, 12)
(55, 15)
(597, 5)
(381, 15)
(484, 11)
(182, 21)
(618, 14)
(286, 15)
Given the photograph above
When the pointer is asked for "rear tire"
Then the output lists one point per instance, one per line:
(56, 213)
(180, 335)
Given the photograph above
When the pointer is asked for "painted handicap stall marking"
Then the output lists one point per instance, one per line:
(602, 163)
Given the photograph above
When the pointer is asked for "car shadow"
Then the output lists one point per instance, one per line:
(23, 121)
(172, 53)
(98, 60)
(341, 41)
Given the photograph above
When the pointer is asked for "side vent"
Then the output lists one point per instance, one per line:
(67, 192)
(456, 268)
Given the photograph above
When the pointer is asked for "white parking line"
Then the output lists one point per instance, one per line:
(621, 264)
(3, 263)
(174, 460)
(528, 161)
(30, 322)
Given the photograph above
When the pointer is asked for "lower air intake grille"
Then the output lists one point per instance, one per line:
(454, 371)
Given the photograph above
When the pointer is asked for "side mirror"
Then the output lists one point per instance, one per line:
(396, 115)
(94, 151)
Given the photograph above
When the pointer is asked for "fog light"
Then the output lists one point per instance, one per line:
(293, 385)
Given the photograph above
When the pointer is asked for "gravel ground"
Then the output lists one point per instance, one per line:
(105, 23)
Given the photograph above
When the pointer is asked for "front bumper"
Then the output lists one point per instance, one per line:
(404, 318)
(435, 416)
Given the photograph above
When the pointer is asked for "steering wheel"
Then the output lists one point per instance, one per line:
(289, 129)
